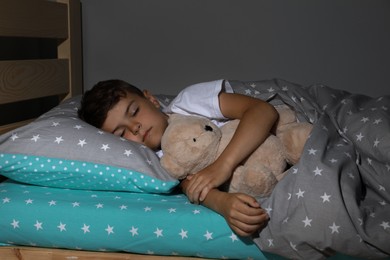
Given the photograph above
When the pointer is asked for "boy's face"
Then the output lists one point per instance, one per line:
(137, 119)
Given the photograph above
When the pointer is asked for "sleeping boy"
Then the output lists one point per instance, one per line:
(122, 109)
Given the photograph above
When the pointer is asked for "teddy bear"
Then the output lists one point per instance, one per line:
(191, 143)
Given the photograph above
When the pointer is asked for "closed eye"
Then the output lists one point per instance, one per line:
(136, 112)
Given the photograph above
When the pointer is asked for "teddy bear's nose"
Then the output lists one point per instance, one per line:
(208, 128)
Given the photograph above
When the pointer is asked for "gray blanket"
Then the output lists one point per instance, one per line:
(337, 198)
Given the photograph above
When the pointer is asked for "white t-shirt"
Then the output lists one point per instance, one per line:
(201, 100)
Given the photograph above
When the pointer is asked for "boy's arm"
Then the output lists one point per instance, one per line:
(257, 118)
(242, 212)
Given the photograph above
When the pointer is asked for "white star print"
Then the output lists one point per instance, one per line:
(377, 121)
(376, 142)
(307, 221)
(29, 201)
(59, 140)
(35, 138)
(208, 235)
(183, 234)
(196, 211)
(55, 124)
(38, 225)
(233, 237)
(62, 227)
(158, 232)
(317, 171)
(333, 160)
(76, 204)
(365, 119)
(15, 223)
(293, 246)
(14, 137)
(122, 207)
(52, 203)
(78, 127)
(6, 200)
(325, 197)
(300, 193)
(133, 231)
(82, 142)
(172, 210)
(147, 209)
(99, 206)
(85, 228)
(270, 242)
(369, 161)
(312, 151)
(359, 137)
(110, 230)
(105, 147)
(334, 228)
(128, 153)
(385, 225)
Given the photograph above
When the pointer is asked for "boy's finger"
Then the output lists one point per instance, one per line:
(204, 193)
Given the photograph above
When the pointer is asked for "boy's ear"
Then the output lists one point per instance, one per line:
(151, 98)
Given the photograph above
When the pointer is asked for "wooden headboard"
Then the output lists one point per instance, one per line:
(22, 78)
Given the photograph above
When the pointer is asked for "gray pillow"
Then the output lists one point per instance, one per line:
(60, 150)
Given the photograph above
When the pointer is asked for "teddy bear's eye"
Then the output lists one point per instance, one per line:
(208, 128)
(194, 139)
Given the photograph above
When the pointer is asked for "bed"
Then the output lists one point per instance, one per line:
(69, 190)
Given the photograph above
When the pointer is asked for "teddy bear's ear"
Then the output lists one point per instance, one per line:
(173, 168)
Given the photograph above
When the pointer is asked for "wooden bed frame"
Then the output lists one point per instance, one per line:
(61, 76)
(58, 77)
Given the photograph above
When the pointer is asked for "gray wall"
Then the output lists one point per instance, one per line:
(164, 45)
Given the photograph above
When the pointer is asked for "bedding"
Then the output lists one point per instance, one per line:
(162, 224)
(336, 199)
(60, 150)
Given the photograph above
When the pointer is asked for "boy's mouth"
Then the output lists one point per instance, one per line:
(145, 135)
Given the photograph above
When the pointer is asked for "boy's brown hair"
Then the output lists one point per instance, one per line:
(103, 96)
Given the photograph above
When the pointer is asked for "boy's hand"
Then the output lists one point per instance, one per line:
(241, 211)
(243, 214)
(201, 183)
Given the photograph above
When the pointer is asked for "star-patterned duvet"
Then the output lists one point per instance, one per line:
(337, 198)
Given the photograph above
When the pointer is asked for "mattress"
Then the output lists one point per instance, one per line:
(116, 221)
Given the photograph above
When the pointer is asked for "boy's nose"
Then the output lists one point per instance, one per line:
(135, 128)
